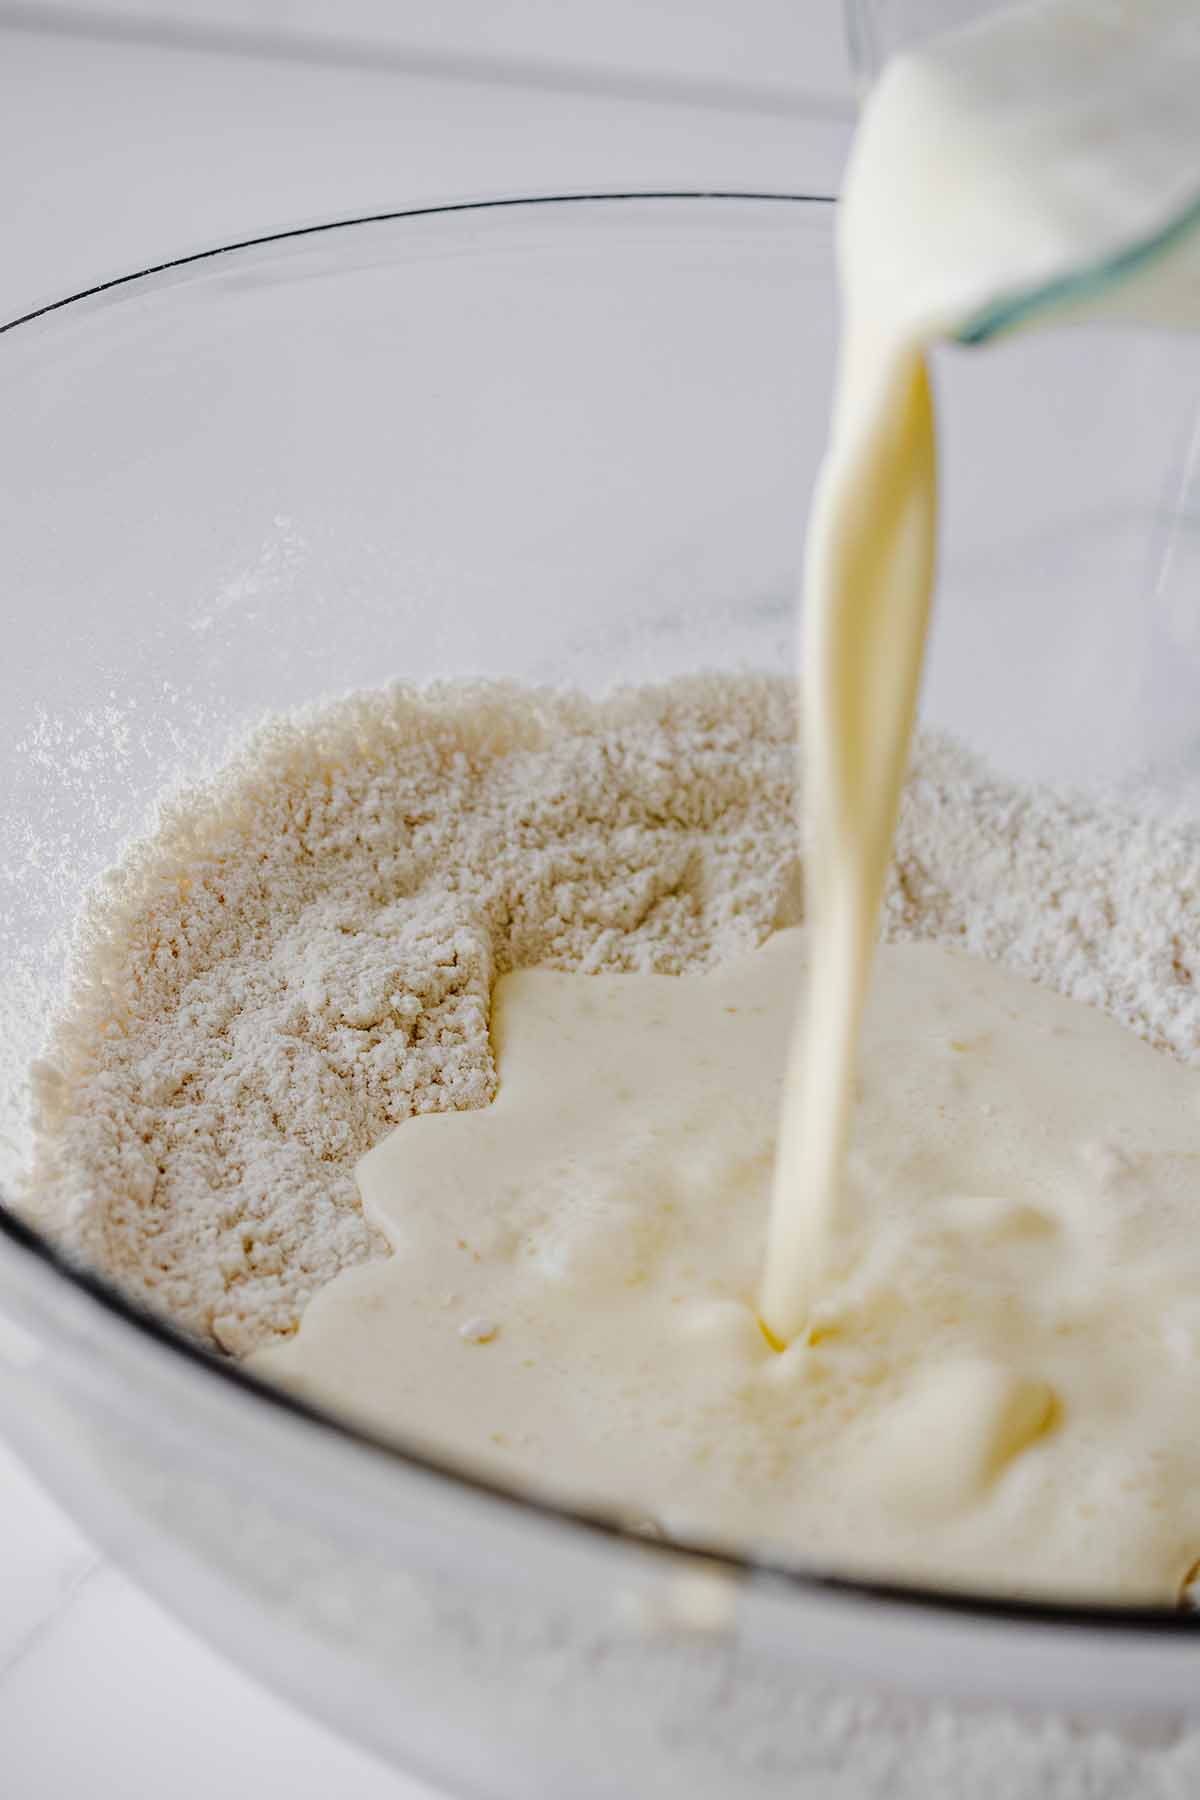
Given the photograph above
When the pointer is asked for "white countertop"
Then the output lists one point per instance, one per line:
(129, 134)
(101, 1692)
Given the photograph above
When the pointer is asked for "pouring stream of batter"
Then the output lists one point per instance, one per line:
(1043, 163)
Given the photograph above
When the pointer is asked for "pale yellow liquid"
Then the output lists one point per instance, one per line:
(1001, 1379)
(989, 1312)
(1008, 160)
(869, 596)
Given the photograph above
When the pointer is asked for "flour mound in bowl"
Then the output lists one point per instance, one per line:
(300, 954)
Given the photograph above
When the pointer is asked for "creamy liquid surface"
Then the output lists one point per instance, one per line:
(991, 1306)
(1003, 1376)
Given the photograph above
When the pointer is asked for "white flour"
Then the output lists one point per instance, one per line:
(301, 955)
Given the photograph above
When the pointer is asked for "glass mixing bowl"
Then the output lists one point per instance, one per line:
(560, 440)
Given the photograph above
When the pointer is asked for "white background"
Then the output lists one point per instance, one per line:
(136, 130)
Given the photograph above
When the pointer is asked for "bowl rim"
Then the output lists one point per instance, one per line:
(487, 203)
(1129, 1621)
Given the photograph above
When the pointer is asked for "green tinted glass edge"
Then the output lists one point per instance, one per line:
(1079, 285)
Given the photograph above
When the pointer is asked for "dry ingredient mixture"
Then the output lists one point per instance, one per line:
(300, 955)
